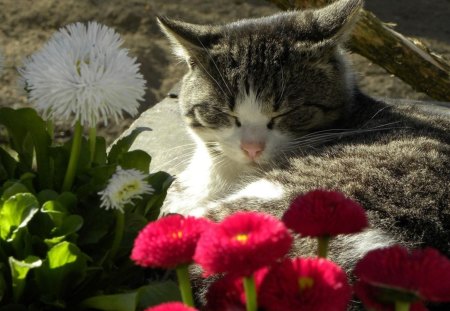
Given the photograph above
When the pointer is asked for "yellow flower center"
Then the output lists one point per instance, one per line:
(305, 283)
(78, 65)
(127, 191)
(242, 238)
(177, 235)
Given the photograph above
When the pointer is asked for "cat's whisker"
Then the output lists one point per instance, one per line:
(376, 113)
(193, 145)
(320, 139)
(176, 163)
(346, 132)
(324, 131)
(178, 160)
(188, 153)
(331, 131)
(387, 124)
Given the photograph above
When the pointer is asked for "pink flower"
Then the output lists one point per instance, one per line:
(386, 274)
(325, 213)
(242, 243)
(227, 293)
(171, 306)
(169, 241)
(305, 284)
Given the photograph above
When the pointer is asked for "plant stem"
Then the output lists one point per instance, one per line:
(401, 305)
(185, 285)
(92, 143)
(74, 157)
(322, 246)
(250, 293)
(50, 129)
(118, 234)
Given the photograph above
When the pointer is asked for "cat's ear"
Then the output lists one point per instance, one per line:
(335, 21)
(190, 41)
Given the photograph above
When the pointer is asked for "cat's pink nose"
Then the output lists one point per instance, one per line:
(252, 150)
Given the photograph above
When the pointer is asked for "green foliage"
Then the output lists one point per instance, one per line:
(55, 247)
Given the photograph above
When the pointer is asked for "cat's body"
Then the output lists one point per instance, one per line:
(275, 112)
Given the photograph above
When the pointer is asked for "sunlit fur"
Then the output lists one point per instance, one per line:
(283, 81)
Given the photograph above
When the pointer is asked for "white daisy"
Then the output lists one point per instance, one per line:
(82, 74)
(123, 187)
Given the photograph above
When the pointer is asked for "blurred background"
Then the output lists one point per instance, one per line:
(25, 25)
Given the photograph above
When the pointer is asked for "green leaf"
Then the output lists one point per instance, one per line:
(27, 180)
(27, 129)
(3, 285)
(134, 222)
(56, 211)
(3, 173)
(28, 149)
(21, 242)
(157, 293)
(137, 159)
(8, 163)
(70, 224)
(54, 241)
(146, 296)
(123, 145)
(161, 182)
(64, 268)
(17, 131)
(12, 188)
(59, 160)
(14, 307)
(16, 212)
(46, 195)
(99, 177)
(19, 272)
(117, 302)
(68, 200)
(100, 156)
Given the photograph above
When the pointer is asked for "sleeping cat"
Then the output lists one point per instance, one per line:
(275, 112)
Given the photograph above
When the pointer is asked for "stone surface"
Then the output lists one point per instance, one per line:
(171, 146)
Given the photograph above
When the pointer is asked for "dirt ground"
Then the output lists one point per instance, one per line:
(27, 24)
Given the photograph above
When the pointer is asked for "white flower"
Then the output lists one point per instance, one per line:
(82, 74)
(123, 187)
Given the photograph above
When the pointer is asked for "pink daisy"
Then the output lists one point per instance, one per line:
(325, 213)
(393, 273)
(171, 306)
(169, 241)
(227, 293)
(242, 243)
(305, 284)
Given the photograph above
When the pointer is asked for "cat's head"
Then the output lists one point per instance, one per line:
(256, 85)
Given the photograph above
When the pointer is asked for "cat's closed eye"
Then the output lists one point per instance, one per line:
(237, 122)
(277, 117)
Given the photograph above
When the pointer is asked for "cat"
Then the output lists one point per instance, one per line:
(275, 111)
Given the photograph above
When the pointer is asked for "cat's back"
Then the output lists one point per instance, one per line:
(394, 160)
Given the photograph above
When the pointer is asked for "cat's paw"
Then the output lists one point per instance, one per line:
(261, 189)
